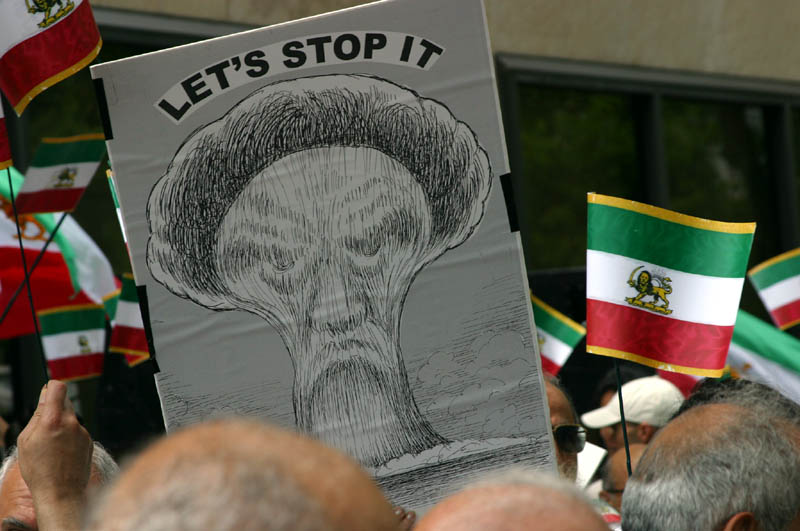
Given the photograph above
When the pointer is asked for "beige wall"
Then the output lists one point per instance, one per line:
(741, 37)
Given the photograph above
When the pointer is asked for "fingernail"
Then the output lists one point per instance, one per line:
(398, 511)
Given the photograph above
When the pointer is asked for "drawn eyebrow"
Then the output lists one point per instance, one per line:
(11, 523)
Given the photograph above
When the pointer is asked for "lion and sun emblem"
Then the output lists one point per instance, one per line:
(65, 178)
(46, 7)
(650, 285)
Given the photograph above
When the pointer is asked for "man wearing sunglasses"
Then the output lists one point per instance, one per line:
(569, 436)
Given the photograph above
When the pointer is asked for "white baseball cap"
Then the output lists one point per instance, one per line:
(652, 400)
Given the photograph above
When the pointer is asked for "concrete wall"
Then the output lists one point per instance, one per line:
(739, 37)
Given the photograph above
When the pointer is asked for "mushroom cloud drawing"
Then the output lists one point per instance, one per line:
(313, 203)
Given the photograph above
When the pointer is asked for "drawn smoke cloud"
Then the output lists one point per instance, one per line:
(492, 397)
(313, 203)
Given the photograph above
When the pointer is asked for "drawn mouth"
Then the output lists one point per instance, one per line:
(348, 348)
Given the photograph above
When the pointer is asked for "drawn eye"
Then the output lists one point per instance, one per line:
(367, 246)
(280, 259)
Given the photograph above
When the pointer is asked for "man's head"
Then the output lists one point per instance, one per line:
(16, 503)
(515, 500)
(238, 474)
(615, 474)
(649, 403)
(569, 438)
(717, 467)
(745, 393)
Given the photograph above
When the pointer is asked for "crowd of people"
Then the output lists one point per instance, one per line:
(726, 458)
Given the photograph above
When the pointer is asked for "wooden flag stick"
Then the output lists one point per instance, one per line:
(27, 277)
(622, 417)
(33, 267)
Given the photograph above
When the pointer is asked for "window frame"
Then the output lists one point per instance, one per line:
(647, 87)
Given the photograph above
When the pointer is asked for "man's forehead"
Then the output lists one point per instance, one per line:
(559, 406)
(16, 503)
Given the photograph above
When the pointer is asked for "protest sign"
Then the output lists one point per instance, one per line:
(316, 215)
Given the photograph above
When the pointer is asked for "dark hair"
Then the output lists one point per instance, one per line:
(608, 382)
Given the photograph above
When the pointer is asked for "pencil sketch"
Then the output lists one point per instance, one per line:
(313, 203)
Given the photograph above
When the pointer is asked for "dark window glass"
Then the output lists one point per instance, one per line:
(718, 169)
(572, 142)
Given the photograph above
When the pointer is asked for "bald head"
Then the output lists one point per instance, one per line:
(237, 474)
(531, 501)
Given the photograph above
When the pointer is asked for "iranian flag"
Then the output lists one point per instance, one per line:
(41, 43)
(557, 335)
(73, 339)
(113, 186)
(777, 282)
(60, 172)
(72, 271)
(761, 352)
(5, 146)
(662, 288)
(127, 336)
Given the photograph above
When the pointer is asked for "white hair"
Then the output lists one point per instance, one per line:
(103, 464)
(747, 462)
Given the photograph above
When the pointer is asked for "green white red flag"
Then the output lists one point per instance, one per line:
(73, 339)
(557, 335)
(113, 186)
(41, 43)
(5, 145)
(60, 172)
(761, 352)
(662, 288)
(777, 282)
(73, 270)
(128, 336)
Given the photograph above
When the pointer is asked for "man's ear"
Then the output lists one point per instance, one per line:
(645, 432)
(741, 522)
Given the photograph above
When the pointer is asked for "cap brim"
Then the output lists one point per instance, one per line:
(600, 418)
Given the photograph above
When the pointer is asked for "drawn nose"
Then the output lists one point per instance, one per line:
(339, 306)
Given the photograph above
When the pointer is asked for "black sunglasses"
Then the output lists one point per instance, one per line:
(570, 438)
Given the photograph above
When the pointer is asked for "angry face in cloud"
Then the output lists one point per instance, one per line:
(313, 203)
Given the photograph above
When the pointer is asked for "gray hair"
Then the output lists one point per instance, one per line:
(745, 393)
(219, 495)
(746, 463)
(103, 464)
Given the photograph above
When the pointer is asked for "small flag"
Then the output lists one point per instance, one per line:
(72, 271)
(60, 172)
(662, 288)
(5, 145)
(127, 335)
(43, 42)
(684, 382)
(761, 352)
(777, 282)
(73, 338)
(113, 186)
(557, 335)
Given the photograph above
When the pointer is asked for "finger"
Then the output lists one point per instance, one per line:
(39, 408)
(53, 406)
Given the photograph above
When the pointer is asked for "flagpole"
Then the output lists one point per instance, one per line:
(622, 417)
(27, 276)
(39, 257)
